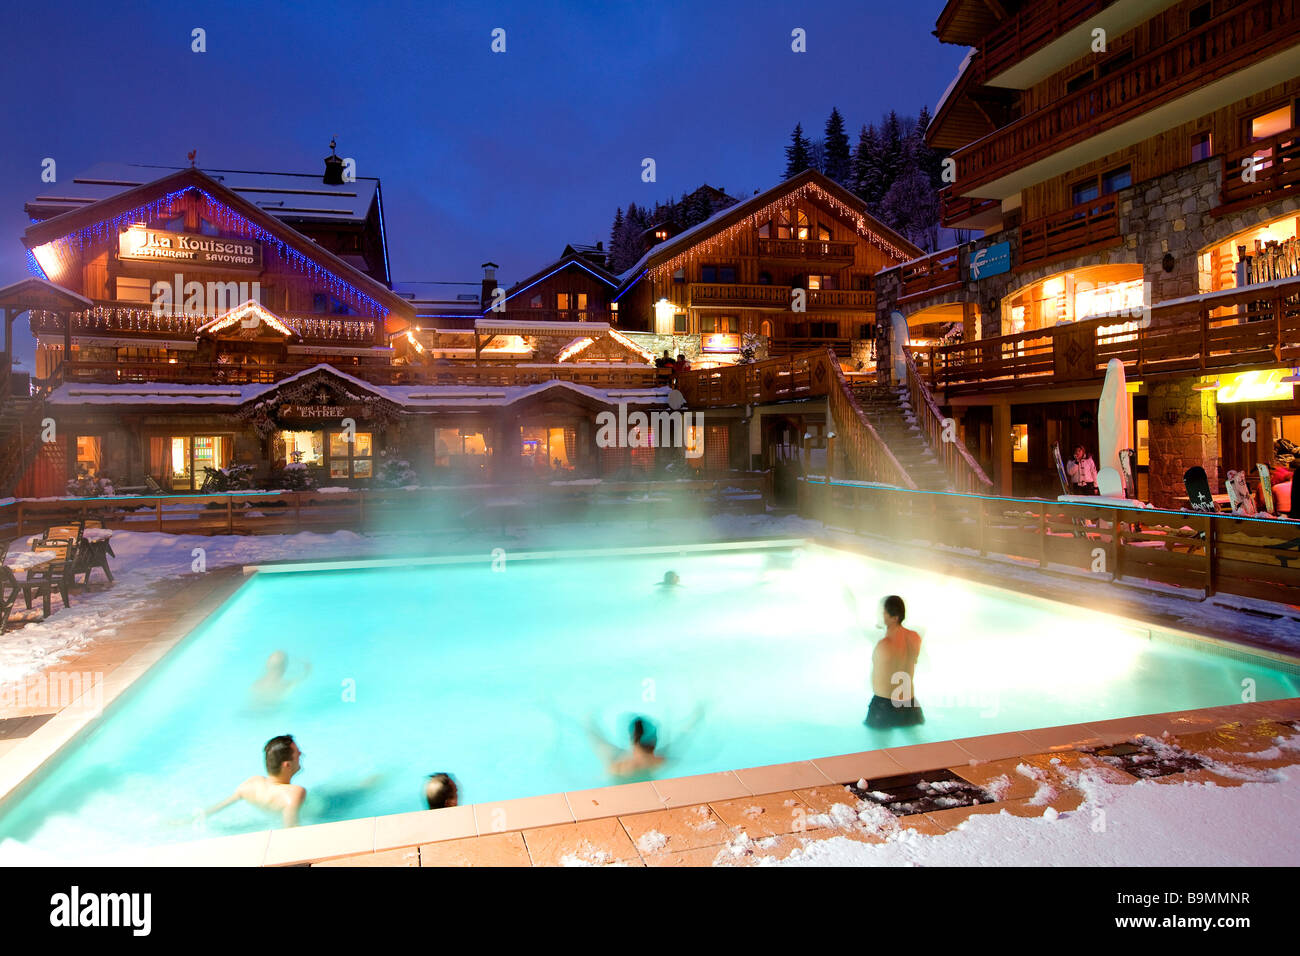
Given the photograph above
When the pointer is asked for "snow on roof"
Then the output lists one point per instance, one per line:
(283, 195)
(965, 63)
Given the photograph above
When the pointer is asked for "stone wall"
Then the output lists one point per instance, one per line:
(1191, 439)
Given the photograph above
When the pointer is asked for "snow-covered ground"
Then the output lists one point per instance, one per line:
(1142, 824)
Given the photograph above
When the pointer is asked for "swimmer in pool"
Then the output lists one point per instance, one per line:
(441, 791)
(274, 792)
(643, 755)
(671, 580)
(893, 669)
(272, 687)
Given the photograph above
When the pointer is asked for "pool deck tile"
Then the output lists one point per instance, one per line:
(407, 856)
(771, 814)
(850, 768)
(424, 826)
(595, 842)
(921, 757)
(681, 828)
(320, 841)
(782, 777)
(702, 788)
(522, 814)
(821, 799)
(994, 746)
(617, 800)
(1065, 737)
(1017, 786)
(494, 849)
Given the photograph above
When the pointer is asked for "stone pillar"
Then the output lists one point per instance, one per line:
(1184, 430)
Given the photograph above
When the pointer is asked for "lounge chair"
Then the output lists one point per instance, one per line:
(9, 591)
(59, 573)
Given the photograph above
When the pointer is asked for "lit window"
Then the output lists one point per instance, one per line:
(802, 231)
(351, 459)
(765, 230)
(1020, 443)
(823, 234)
(133, 290)
(1270, 124)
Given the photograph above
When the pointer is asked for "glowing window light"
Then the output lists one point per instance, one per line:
(664, 316)
(1120, 298)
(1265, 385)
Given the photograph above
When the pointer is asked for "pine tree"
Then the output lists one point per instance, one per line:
(891, 148)
(838, 161)
(931, 159)
(817, 154)
(798, 153)
(868, 171)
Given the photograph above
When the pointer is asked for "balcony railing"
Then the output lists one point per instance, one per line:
(1273, 168)
(1253, 327)
(1035, 26)
(955, 209)
(804, 250)
(115, 318)
(553, 315)
(857, 299)
(934, 273)
(1089, 226)
(706, 295)
(501, 375)
(1242, 34)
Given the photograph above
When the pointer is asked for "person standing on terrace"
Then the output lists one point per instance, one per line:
(1083, 472)
(893, 671)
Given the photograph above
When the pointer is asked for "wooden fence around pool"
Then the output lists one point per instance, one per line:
(423, 509)
(1215, 554)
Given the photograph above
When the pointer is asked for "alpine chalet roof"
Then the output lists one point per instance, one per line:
(287, 196)
(732, 214)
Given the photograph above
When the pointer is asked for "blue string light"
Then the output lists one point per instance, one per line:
(34, 267)
(109, 228)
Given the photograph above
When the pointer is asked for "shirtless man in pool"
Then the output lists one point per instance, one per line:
(894, 657)
(273, 792)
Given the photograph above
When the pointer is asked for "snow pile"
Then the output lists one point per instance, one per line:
(1139, 824)
(652, 841)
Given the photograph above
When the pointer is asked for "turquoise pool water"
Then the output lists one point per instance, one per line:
(491, 676)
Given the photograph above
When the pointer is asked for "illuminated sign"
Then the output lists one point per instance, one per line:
(1254, 386)
(322, 411)
(721, 342)
(991, 260)
(213, 252)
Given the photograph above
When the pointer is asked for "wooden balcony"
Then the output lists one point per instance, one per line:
(132, 319)
(822, 300)
(805, 250)
(1276, 171)
(967, 212)
(935, 273)
(1033, 28)
(730, 295)
(553, 315)
(1254, 327)
(1244, 33)
(452, 373)
(1084, 228)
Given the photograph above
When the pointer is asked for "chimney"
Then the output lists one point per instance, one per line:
(489, 284)
(333, 168)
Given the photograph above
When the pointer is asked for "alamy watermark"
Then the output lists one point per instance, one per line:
(77, 690)
(662, 429)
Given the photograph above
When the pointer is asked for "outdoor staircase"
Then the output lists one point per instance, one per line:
(889, 410)
(20, 432)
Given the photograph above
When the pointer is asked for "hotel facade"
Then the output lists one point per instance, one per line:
(1130, 169)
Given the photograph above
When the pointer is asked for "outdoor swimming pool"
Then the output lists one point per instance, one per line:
(491, 675)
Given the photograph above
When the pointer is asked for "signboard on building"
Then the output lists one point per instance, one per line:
(140, 244)
(322, 412)
(990, 261)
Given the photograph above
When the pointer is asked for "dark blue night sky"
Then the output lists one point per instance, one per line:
(481, 155)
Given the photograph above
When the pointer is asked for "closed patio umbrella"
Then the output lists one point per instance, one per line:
(1114, 418)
